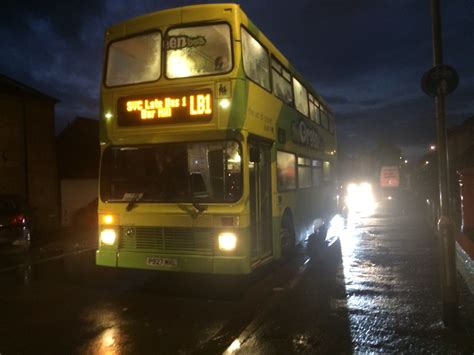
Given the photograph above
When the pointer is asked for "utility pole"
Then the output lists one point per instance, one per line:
(445, 224)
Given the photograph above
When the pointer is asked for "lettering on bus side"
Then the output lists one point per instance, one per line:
(305, 134)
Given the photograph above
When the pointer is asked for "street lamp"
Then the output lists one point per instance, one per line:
(432, 147)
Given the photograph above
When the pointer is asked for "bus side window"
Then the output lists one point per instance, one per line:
(301, 97)
(281, 79)
(256, 60)
(327, 173)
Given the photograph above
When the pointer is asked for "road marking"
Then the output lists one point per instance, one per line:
(261, 316)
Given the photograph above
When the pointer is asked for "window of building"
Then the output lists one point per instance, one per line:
(304, 172)
(286, 171)
(301, 97)
(256, 60)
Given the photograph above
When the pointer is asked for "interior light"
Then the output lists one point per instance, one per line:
(178, 65)
(235, 158)
(227, 241)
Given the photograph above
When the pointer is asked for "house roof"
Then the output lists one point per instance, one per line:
(10, 85)
(80, 125)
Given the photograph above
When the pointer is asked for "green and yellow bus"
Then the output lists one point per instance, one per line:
(216, 155)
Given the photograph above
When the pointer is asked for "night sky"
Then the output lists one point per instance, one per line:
(365, 57)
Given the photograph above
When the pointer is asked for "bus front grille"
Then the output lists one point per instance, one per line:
(167, 239)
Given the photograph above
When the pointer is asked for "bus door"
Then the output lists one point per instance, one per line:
(260, 198)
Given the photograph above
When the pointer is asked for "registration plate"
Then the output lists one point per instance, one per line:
(164, 262)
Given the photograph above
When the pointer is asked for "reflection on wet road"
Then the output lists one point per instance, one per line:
(371, 288)
(392, 284)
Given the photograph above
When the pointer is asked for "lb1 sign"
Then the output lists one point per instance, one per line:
(439, 78)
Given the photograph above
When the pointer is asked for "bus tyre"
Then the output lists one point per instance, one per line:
(287, 238)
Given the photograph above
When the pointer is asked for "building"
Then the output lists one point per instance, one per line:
(461, 145)
(27, 152)
(78, 164)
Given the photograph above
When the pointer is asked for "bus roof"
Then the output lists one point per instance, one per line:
(195, 13)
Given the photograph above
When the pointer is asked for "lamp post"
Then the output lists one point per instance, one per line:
(445, 225)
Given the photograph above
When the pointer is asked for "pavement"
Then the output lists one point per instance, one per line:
(64, 242)
(69, 239)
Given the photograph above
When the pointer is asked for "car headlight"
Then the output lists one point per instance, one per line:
(108, 236)
(360, 197)
(227, 241)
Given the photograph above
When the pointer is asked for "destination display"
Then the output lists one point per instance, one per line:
(162, 109)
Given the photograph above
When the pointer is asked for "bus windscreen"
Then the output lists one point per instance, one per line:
(198, 50)
(167, 172)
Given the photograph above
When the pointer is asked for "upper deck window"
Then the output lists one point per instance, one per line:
(281, 82)
(134, 60)
(256, 60)
(197, 51)
(301, 97)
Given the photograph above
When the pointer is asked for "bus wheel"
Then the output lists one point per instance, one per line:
(287, 238)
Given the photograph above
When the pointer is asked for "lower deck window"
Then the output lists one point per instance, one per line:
(304, 172)
(286, 171)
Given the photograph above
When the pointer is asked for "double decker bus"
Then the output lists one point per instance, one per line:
(216, 155)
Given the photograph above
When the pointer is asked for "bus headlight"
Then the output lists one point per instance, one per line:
(227, 241)
(108, 236)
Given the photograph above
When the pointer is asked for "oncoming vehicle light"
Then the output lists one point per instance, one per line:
(227, 241)
(108, 236)
(360, 198)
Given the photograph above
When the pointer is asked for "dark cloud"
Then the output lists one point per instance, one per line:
(365, 57)
(337, 100)
(65, 17)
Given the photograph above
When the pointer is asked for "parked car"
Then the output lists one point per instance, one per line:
(16, 222)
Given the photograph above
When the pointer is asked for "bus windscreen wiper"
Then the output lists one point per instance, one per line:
(133, 202)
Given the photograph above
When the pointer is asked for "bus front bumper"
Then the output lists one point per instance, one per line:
(171, 262)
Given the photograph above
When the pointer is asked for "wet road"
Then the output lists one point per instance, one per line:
(372, 290)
